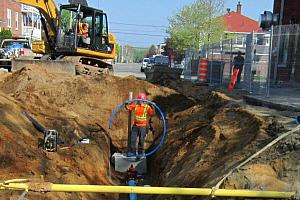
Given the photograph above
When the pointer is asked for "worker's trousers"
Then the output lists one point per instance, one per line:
(138, 132)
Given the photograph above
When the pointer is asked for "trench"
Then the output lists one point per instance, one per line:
(208, 134)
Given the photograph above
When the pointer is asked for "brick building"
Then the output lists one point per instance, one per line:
(286, 42)
(22, 20)
(290, 11)
(11, 16)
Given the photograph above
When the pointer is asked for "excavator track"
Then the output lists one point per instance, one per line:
(89, 66)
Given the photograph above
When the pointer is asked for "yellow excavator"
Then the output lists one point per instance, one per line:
(63, 41)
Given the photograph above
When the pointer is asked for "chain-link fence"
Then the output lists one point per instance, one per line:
(261, 69)
(285, 66)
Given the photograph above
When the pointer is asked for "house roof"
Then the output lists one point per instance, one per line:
(236, 22)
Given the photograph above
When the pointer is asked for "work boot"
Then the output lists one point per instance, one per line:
(141, 152)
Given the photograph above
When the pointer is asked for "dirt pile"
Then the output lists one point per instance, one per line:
(76, 107)
(209, 139)
(208, 134)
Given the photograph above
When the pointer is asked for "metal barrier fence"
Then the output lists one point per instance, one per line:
(271, 60)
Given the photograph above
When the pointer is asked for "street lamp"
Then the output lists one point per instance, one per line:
(267, 21)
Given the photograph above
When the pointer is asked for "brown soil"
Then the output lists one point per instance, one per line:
(208, 134)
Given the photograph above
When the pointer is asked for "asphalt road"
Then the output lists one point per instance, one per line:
(127, 69)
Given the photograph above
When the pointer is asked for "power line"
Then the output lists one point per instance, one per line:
(142, 34)
(143, 25)
(146, 31)
(126, 41)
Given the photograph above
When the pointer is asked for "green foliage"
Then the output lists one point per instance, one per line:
(117, 49)
(197, 24)
(139, 54)
(151, 51)
(66, 19)
(5, 33)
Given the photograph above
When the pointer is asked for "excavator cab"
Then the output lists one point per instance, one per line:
(82, 29)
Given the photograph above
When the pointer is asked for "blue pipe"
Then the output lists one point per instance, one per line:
(132, 196)
(118, 108)
(297, 119)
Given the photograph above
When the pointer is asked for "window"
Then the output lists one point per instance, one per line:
(8, 17)
(17, 20)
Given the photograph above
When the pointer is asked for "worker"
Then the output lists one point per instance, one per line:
(141, 111)
(238, 63)
(83, 32)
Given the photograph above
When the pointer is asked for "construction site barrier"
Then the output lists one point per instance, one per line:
(203, 70)
(25, 185)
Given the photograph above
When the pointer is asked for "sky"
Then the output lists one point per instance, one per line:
(141, 23)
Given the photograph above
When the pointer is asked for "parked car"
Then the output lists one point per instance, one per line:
(161, 61)
(150, 62)
(14, 48)
(144, 64)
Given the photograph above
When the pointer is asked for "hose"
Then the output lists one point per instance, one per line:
(118, 108)
(256, 154)
(35, 123)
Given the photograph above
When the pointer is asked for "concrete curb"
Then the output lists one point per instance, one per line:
(261, 102)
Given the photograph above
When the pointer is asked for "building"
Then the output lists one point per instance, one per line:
(22, 20)
(160, 48)
(286, 42)
(239, 25)
(288, 10)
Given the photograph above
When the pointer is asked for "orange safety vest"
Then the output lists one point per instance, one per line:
(83, 30)
(141, 111)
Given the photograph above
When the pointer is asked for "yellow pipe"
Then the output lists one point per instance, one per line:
(170, 191)
(253, 193)
(128, 189)
(49, 187)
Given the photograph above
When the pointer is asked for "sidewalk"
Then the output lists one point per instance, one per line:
(280, 99)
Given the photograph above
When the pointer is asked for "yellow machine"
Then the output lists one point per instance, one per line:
(74, 32)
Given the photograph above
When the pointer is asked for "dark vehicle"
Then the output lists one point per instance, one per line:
(150, 62)
(160, 70)
(161, 61)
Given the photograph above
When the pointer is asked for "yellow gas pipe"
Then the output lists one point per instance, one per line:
(20, 184)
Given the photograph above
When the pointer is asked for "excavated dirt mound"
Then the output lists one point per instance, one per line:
(208, 134)
(76, 107)
(209, 139)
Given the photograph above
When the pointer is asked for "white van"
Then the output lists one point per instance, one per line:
(144, 64)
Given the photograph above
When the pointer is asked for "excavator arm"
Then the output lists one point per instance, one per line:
(51, 15)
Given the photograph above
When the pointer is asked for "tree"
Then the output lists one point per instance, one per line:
(171, 52)
(197, 24)
(139, 54)
(5, 33)
(151, 51)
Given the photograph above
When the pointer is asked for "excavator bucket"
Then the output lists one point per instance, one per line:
(61, 66)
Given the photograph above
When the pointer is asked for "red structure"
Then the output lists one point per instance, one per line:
(289, 10)
(235, 22)
(11, 16)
